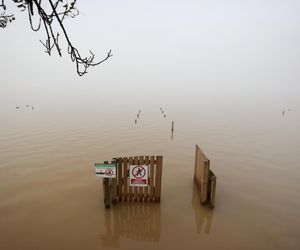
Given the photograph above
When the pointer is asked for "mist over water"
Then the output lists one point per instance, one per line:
(223, 72)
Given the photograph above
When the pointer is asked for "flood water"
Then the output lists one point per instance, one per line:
(50, 197)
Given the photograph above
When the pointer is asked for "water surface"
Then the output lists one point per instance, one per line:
(51, 199)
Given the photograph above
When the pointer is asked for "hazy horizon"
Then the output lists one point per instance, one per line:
(234, 50)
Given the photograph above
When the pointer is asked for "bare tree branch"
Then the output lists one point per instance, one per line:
(58, 10)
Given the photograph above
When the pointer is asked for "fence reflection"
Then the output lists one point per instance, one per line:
(135, 221)
(203, 215)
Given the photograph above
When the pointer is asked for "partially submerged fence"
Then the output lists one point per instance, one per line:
(138, 179)
(204, 178)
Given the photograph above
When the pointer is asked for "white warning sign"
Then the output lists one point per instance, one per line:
(138, 176)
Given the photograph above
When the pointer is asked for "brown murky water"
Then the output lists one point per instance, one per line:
(51, 199)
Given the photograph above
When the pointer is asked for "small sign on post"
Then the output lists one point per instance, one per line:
(105, 170)
(138, 176)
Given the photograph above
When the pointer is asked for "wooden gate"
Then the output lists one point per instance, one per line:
(119, 189)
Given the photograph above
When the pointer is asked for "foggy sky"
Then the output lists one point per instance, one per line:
(161, 49)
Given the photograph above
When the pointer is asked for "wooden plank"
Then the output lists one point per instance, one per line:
(196, 161)
(141, 189)
(158, 178)
(118, 180)
(204, 182)
(213, 191)
(125, 179)
(151, 191)
(119, 171)
(135, 189)
(130, 187)
(114, 196)
(146, 189)
(198, 166)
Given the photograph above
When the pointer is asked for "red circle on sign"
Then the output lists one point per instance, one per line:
(109, 172)
(138, 172)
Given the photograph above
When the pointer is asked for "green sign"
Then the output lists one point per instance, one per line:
(105, 170)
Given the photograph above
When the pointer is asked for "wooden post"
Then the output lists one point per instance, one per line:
(106, 192)
(106, 188)
(114, 186)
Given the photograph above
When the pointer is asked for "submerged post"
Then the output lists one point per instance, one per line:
(108, 173)
(107, 197)
(106, 192)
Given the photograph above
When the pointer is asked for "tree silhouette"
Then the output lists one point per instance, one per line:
(50, 15)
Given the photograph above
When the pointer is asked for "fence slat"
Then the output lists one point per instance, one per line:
(158, 177)
(114, 190)
(151, 193)
(135, 189)
(146, 189)
(130, 187)
(204, 182)
(125, 179)
(213, 191)
(141, 189)
(196, 163)
(119, 172)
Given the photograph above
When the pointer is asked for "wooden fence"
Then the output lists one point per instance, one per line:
(119, 189)
(204, 178)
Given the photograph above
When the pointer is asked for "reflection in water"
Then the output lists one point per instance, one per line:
(135, 221)
(203, 215)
